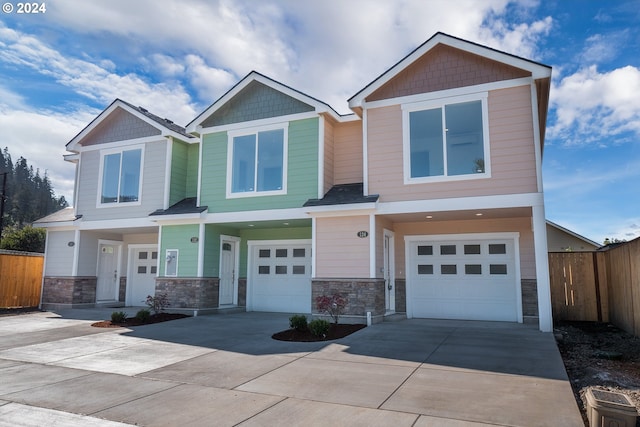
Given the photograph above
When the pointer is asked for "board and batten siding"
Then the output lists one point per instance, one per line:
(302, 172)
(179, 237)
(59, 259)
(512, 153)
(348, 153)
(152, 195)
(519, 225)
(340, 253)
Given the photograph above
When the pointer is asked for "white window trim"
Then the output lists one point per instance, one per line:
(166, 256)
(441, 103)
(120, 150)
(285, 155)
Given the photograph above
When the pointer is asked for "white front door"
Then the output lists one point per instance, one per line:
(389, 275)
(227, 270)
(108, 277)
(142, 279)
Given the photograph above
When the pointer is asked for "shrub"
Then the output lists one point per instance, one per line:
(298, 322)
(158, 303)
(143, 315)
(332, 305)
(319, 327)
(118, 317)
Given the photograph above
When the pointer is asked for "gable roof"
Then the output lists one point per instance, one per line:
(344, 194)
(537, 70)
(164, 125)
(574, 234)
(254, 76)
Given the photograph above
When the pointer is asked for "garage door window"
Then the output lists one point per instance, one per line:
(473, 269)
(472, 249)
(425, 269)
(447, 249)
(425, 250)
(498, 269)
(264, 253)
(448, 269)
(496, 249)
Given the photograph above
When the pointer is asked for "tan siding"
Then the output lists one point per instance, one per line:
(521, 225)
(445, 67)
(381, 224)
(329, 156)
(339, 251)
(348, 153)
(512, 155)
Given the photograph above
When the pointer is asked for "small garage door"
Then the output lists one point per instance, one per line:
(280, 276)
(463, 277)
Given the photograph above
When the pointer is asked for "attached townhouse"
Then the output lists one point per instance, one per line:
(427, 200)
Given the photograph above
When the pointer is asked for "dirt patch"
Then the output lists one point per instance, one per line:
(335, 331)
(132, 321)
(602, 356)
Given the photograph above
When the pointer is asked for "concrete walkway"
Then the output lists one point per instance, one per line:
(225, 370)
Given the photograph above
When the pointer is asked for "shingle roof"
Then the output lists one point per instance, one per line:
(62, 215)
(184, 206)
(164, 122)
(343, 194)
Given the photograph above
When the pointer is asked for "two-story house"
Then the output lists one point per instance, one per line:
(427, 200)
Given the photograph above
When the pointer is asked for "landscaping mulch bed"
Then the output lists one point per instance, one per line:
(132, 321)
(335, 331)
(602, 356)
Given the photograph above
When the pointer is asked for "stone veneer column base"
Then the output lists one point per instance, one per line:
(68, 292)
(363, 296)
(190, 293)
(530, 301)
(401, 295)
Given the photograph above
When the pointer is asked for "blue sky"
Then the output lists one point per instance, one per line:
(60, 68)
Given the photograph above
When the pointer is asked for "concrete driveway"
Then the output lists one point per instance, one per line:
(225, 370)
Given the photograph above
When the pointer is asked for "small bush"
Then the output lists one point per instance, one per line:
(143, 315)
(333, 305)
(118, 317)
(298, 322)
(319, 327)
(158, 303)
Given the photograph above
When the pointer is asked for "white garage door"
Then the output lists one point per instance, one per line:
(469, 277)
(280, 276)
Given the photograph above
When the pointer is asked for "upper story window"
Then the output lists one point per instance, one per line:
(120, 177)
(257, 162)
(446, 139)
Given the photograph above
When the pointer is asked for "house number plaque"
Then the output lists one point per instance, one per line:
(363, 234)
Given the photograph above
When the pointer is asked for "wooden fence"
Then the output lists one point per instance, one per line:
(598, 286)
(20, 279)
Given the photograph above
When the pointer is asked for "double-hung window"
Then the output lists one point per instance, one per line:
(257, 162)
(120, 177)
(446, 139)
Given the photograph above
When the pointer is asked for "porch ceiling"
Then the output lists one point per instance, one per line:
(284, 223)
(465, 215)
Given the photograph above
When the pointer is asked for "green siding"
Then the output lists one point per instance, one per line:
(267, 234)
(302, 169)
(212, 248)
(191, 189)
(184, 172)
(179, 237)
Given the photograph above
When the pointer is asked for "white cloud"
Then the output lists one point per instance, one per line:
(592, 106)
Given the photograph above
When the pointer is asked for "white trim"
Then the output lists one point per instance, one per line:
(199, 184)
(270, 121)
(440, 104)
(167, 176)
(236, 262)
(545, 316)
(342, 210)
(117, 223)
(285, 160)
(119, 244)
(372, 246)
(461, 203)
(390, 254)
(130, 264)
(515, 236)
(201, 237)
(76, 185)
(537, 70)
(106, 152)
(536, 135)
(251, 244)
(159, 251)
(314, 237)
(448, 93)
(365, 153)
(121, 145)
(76, 252)
(321, 143)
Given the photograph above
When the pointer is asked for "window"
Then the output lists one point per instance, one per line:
(257, 162)
(444, 141)
(120, 178)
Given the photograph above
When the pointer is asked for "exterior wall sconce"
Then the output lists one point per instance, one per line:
(194, 240)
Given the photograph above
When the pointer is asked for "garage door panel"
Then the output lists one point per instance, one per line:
(466, 278)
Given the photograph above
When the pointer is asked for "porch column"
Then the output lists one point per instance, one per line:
(542, 268)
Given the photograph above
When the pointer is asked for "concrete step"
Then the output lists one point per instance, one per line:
(394, 317)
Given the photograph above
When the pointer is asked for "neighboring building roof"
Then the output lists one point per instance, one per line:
(184, 206)
(165, 126)
(254, 76)
(63, 215)
(343, 194)
(574, 234)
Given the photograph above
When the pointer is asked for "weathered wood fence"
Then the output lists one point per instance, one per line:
(598, 286)
(20, 279)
